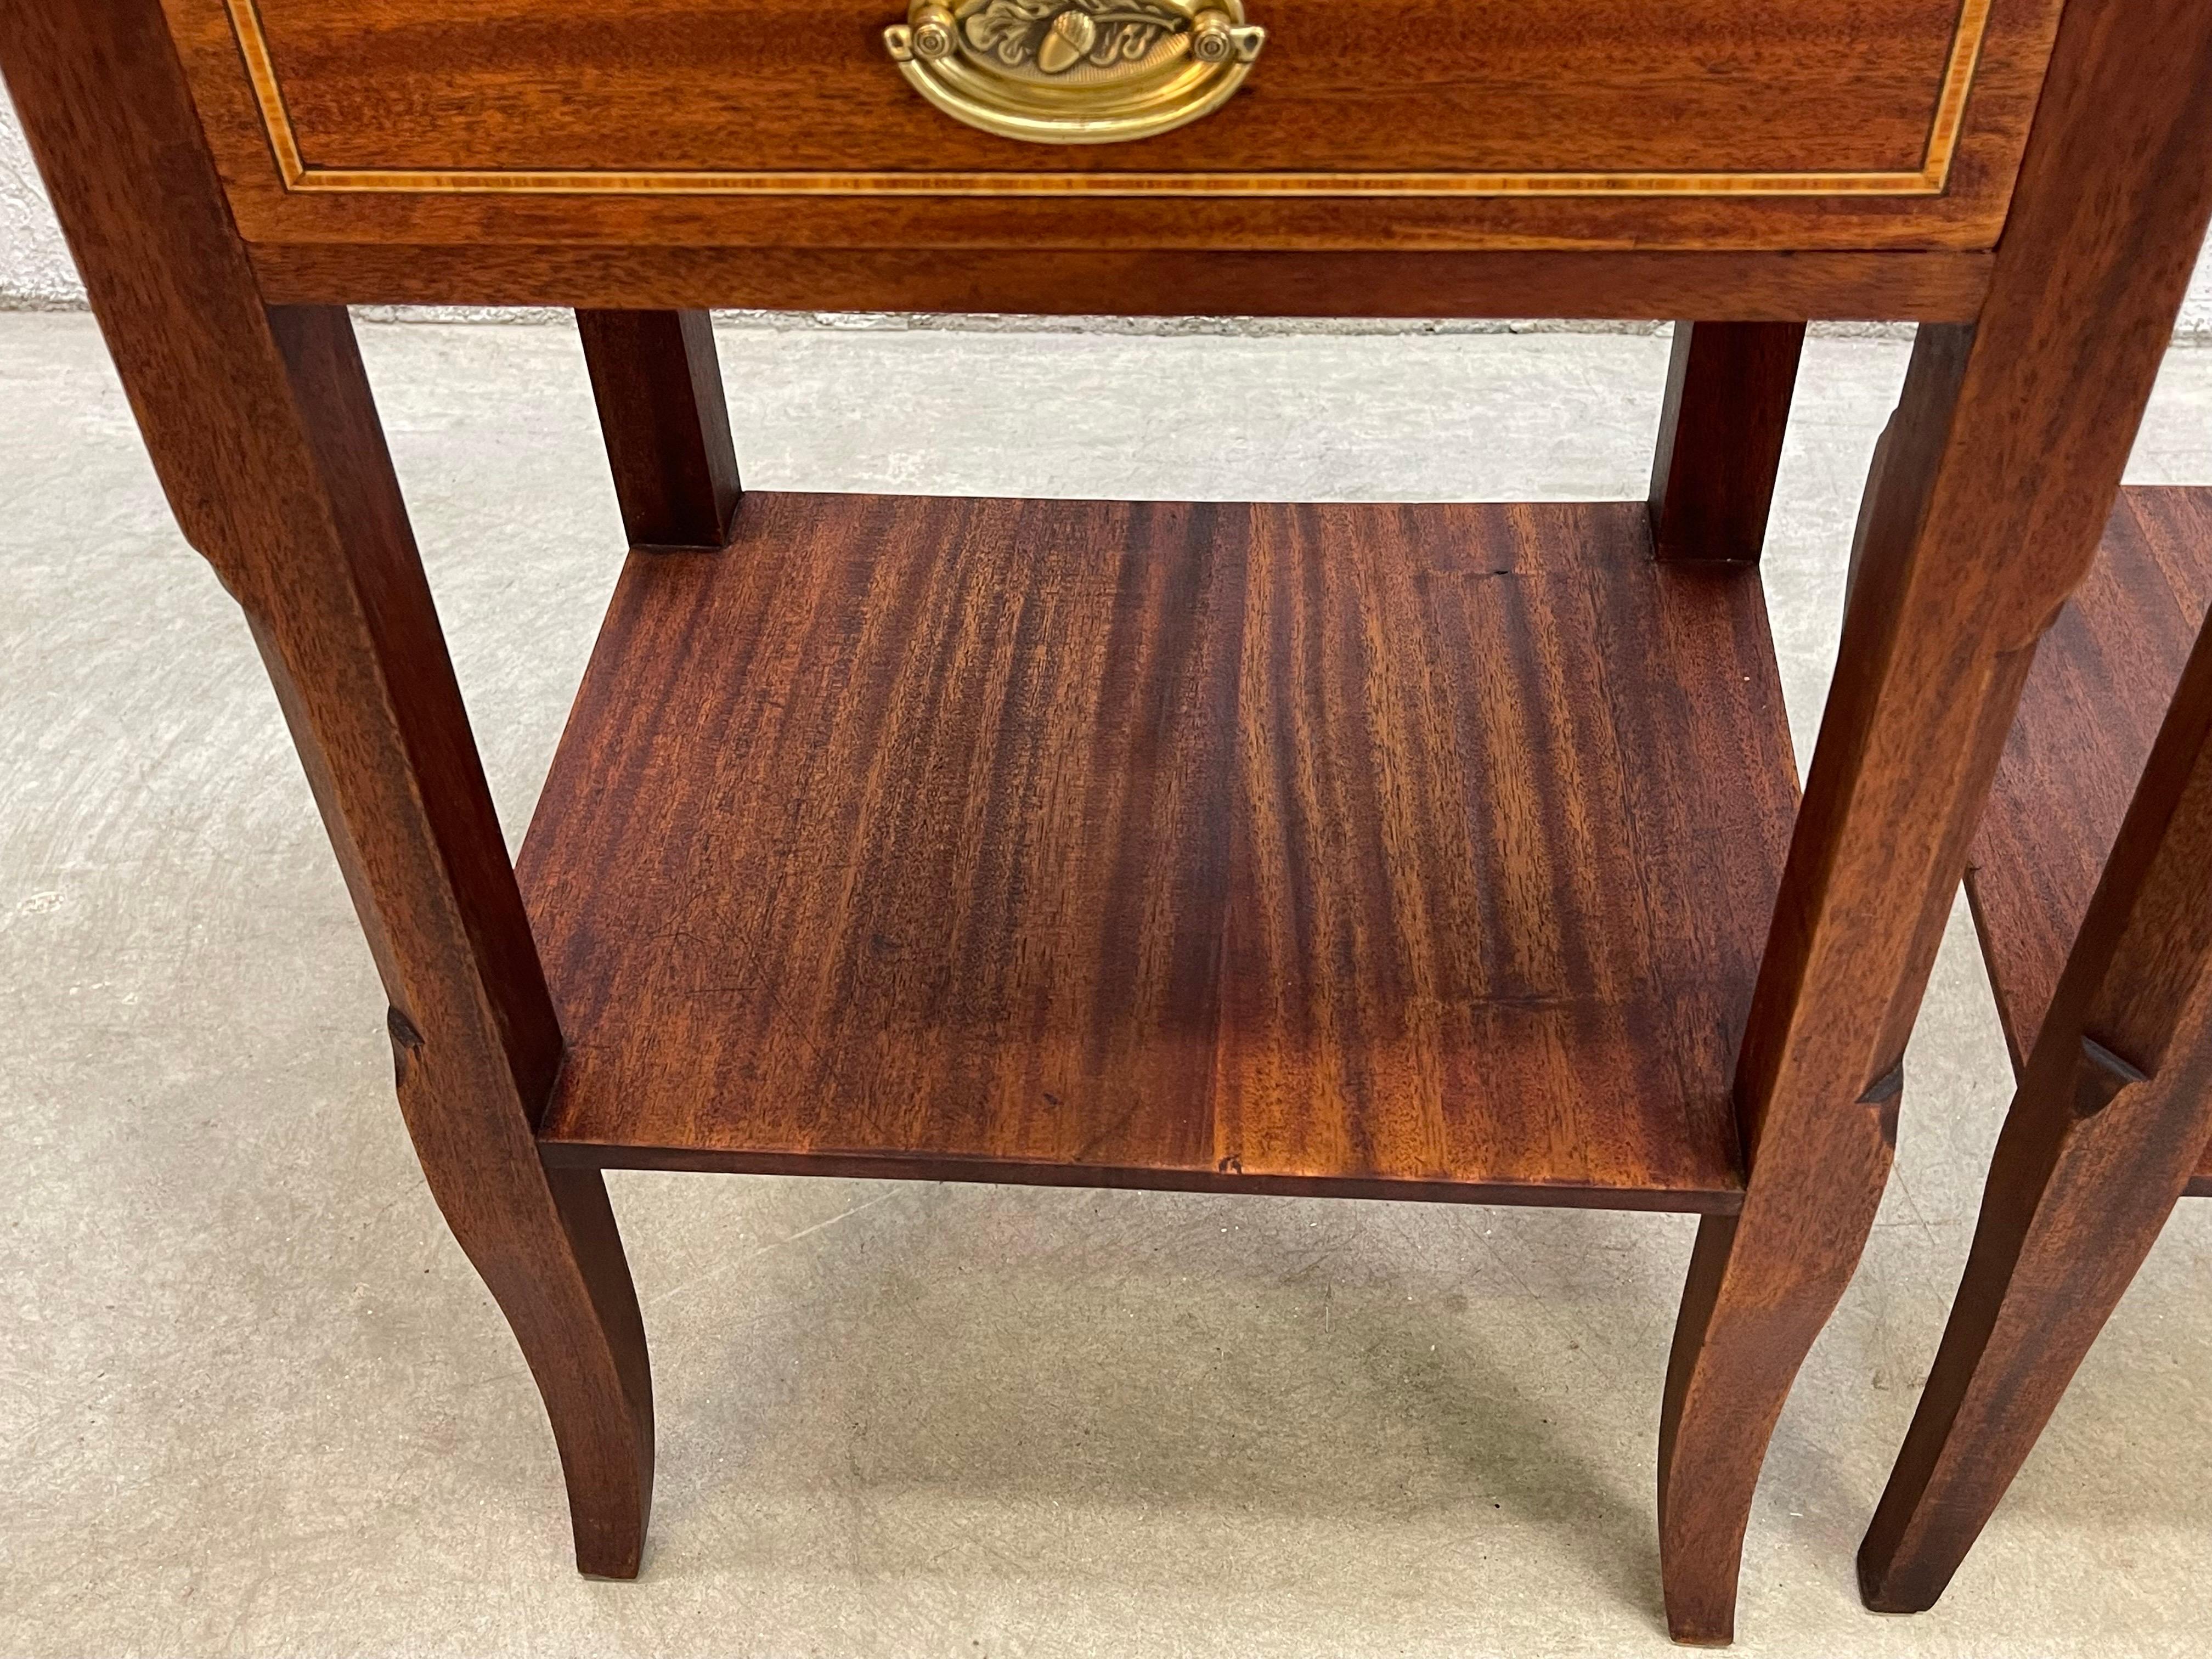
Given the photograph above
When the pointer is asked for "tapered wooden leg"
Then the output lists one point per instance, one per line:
(1877, 851)
(361, 673)
(2105, 1131)
(1721, 426)
(260, 424)
(1997, 475)
(2071, 1210)
(666, 425)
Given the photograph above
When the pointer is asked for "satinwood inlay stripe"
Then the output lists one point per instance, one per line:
(1928, 180)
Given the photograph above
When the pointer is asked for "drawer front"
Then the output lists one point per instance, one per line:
(1820, 123)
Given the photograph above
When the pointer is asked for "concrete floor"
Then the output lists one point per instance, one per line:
(253, 1401)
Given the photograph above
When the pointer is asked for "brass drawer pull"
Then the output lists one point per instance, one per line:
(1075, 71)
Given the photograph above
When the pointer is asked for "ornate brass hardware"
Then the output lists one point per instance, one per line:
(1075, 71)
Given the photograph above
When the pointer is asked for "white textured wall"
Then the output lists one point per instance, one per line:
(35, 270)
(34, 265)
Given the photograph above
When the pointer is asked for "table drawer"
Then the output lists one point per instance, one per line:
(1834, 123)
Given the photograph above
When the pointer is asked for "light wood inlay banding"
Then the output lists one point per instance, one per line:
(1930, 179)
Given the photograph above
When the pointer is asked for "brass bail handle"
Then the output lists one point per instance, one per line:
(1075, 71)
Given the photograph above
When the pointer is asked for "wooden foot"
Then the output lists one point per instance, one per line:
(590, 1364)
(544, 1241)
(1761, 1285)
(2069, 1216)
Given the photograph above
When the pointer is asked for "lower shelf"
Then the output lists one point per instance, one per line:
(2090, 711)
(1421, 852)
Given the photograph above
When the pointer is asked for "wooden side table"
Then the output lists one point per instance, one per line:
(2092, 891)
(1441, 852)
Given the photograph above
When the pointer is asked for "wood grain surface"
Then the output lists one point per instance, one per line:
(657, 386)
(261, 426)
(1606, 87)
(1721, 426)
(1996, 476)
(2114, 1107)
(1925, 286)
(1410, 851)
(2091, 707)
(1592, 123)
(1402, 851)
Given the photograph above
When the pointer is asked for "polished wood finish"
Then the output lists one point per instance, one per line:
(261, 426)
(1835, 123)
(1923, 287)
(2104, 678)
(693, 87)
(659, 393)
(2001, 466)
(1721, 423)
(1389, 704)
(1412, 852)
(2115, 1101)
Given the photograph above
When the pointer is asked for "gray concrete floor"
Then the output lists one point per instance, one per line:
(253, 1401)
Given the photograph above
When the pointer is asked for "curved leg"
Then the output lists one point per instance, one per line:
(1997, 474)
(1761, 1285)
(259, 422)
(1876, 856)
(368, 690)
(1762, 1282)
(545, 1242)
(554, 1263)
(366, 685)
(603, 1416)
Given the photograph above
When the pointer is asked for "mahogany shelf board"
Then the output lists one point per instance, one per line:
(2094, 702)
(1396, 850)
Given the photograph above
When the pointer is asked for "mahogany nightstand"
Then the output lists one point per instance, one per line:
(1441, 852)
